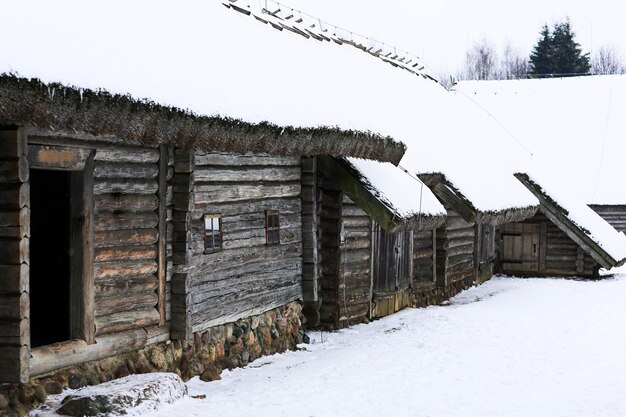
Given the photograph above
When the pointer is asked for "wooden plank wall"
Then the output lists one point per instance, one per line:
(125, 238)
(615, 215)
(459, 248)
(562, 255)
(329, 197)
(311, 255)
(181, 243)
(14, 259)
(125, 235)
(423, 257)
(246, 277)
(354, 264)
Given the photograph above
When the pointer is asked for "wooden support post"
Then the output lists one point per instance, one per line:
(162, 227)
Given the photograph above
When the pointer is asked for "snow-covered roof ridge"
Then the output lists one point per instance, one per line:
(282, 17)
(66, 108)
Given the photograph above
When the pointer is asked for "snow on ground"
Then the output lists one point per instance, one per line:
(511, 347)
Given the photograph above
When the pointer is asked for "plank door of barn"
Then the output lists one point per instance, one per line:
(391, 253)
(520, 247)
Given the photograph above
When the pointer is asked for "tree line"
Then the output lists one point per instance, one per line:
(556, 53)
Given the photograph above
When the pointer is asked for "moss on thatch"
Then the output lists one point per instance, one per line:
(30, 102)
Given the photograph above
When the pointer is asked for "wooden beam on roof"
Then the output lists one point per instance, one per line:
(349, 184)
(556, 214)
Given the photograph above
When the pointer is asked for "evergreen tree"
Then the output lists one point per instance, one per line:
(557, 52)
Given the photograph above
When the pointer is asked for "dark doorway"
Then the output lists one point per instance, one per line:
(50, 256)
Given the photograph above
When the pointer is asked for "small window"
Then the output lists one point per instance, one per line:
(272, 227)
(212, 232)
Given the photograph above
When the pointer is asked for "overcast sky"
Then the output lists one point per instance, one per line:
(440, 31)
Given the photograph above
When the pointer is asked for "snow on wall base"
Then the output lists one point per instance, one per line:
(221, 347)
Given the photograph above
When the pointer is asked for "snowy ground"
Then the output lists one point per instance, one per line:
(511, 347)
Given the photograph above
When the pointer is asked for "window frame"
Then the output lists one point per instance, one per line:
(204, 228)
(268, 228)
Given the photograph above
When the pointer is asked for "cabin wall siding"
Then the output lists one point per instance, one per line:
(125, 288)
(246, 277)
(423, 257)
(311, 242)
(558, 255)
(125, 239)
(14, 257)
(615, 215)
(354, 264)
(457, 249)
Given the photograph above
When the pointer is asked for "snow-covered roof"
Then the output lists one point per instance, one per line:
(576, 124)
(215, 61)
(575, 129)
(404, 193)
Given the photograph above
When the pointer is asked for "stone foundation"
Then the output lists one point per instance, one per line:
(431, 294)
(221, 347)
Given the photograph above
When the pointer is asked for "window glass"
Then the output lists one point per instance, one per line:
(212, 232)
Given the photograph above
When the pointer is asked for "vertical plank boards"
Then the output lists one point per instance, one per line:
(162, 227)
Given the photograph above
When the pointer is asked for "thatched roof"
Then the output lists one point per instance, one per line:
(30, 102)
(451, 197)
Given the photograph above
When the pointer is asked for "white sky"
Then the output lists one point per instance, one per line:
(440, 31)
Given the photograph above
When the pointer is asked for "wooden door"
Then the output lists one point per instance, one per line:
(520, 247)
(392, 254)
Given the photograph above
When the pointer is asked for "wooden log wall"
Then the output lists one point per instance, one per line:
(329, 200)
(484, 251)
(615, 215)
(14, 258)
(180, 236)
(455, 249)
(559, 255)
(311, 244)
(354, 290)
(128, 262)
(423, 257)
(246, 277)
(125, 239)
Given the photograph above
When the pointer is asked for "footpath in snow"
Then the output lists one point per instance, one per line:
(511, 347)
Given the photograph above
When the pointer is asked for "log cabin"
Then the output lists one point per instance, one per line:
(125, 224)
(364, 247)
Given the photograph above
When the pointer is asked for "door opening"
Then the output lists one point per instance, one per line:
(50, 266)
